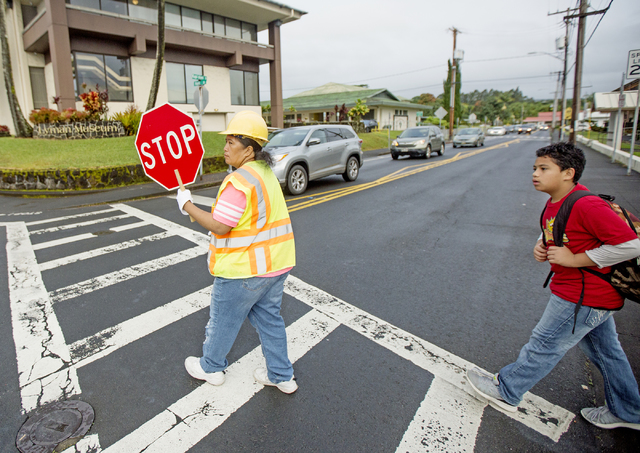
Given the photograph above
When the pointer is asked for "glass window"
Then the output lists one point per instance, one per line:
(319, 134)
(175, 83)
(180, 82)
(191, 19)
(207, 22)
(218, 25)
(100, 72)
(251, 93)
(28, 14)
(237, 87)
(232, 29)
(172, 15)
(118, 77)
(249, 32)
(346, 133)
(189, 71)
(144, 9)
(93, 4)
(115, 6)
(89, 71)
(333, 134)
(38, 88)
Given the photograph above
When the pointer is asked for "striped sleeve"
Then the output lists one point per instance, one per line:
(230, 207)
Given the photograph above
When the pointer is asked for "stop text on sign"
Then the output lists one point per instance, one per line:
(172, 143)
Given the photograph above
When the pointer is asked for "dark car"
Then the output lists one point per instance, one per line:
(369, 125)
(510, 129)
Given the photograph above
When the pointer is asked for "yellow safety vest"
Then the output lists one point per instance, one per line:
(262, 242)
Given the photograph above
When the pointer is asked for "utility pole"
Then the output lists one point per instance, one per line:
(555, 106)
(452, 97)
(564, 77)
(577, 84)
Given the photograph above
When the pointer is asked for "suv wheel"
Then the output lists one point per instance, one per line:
(427, 153)
(441, 152)
(297, 180)
(394, 156)
(352, 170)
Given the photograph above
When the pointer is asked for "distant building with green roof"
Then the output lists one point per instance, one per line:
(318, 105)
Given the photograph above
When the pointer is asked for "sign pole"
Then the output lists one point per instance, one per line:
(182, 188)
(633, 136)
(200, 109)
(619, 118)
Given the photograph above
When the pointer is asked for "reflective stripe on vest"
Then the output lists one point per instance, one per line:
(262, 242)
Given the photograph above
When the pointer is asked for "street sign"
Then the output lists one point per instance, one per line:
(473, 118)
(205, 98)
(633, 64)
(441, 113)
(198, 77)
(621, 101)
(167, 141)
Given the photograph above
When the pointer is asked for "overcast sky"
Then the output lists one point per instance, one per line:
(404, 45)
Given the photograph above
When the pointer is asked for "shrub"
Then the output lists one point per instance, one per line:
(130, 119)
(44, 115)
(95, 102)
(4, 131)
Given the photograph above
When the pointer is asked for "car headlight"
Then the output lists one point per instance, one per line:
(394, 143)
(279, 157)
(420, 142)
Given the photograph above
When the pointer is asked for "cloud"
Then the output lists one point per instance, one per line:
(404, 45)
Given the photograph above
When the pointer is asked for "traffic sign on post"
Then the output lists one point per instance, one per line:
(167, 141)
(633, 64)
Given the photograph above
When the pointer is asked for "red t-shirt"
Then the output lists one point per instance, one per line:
(591, 224)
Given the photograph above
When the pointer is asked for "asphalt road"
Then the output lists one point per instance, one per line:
(407, 276)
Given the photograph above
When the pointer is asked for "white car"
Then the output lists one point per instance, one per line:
(498, 130)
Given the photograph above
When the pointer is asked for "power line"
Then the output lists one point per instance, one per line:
(477, 81)
(601, 17)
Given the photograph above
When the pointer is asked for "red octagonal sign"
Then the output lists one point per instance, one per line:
(167, 140)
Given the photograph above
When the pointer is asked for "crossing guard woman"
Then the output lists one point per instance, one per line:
(250, 255)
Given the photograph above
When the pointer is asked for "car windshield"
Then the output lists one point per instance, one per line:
(286, 137)
(415, 132)
(468, 132)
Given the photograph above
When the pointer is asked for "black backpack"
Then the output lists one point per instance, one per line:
(624, 276)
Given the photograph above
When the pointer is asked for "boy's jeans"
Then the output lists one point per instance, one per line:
(232, 300)
(597, 337)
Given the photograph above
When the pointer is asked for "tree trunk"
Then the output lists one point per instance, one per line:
(155, 82)
(23, 129)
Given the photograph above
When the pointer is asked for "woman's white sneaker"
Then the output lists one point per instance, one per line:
(192, 364)
(262, 377)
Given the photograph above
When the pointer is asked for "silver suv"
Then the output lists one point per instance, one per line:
(418, 141)
(302, 154)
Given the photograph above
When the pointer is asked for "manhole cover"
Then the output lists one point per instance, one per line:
(59, 424)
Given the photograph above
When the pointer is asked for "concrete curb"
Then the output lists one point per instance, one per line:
(621, 156)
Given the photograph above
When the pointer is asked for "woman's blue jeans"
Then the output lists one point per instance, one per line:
(597, 337)
(259, 299)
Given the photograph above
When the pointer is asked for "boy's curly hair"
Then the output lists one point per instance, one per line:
(565, 155)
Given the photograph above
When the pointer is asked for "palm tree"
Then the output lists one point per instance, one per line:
(157, 71)
(23, 129)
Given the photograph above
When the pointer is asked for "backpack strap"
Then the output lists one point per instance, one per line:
(559, 226)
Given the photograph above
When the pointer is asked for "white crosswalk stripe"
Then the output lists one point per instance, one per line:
(447, 420)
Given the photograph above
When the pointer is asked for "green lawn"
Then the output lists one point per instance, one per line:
(602, 138)
(32, 154)
(37, 154)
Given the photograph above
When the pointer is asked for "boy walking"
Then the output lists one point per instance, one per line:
(597, 238)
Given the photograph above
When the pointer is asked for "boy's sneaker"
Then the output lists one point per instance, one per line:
(262, 377)
(192, 364)
(487, 387)
(603, 418)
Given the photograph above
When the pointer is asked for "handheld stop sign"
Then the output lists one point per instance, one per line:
(169, 146)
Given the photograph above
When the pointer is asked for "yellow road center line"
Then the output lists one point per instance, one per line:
(399, 174)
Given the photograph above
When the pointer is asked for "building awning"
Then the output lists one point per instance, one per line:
(608, 102)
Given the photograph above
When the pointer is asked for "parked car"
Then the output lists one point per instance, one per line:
(302, 154)
(471, 136)
(369, 125)
(498, 130)
(418, 141)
